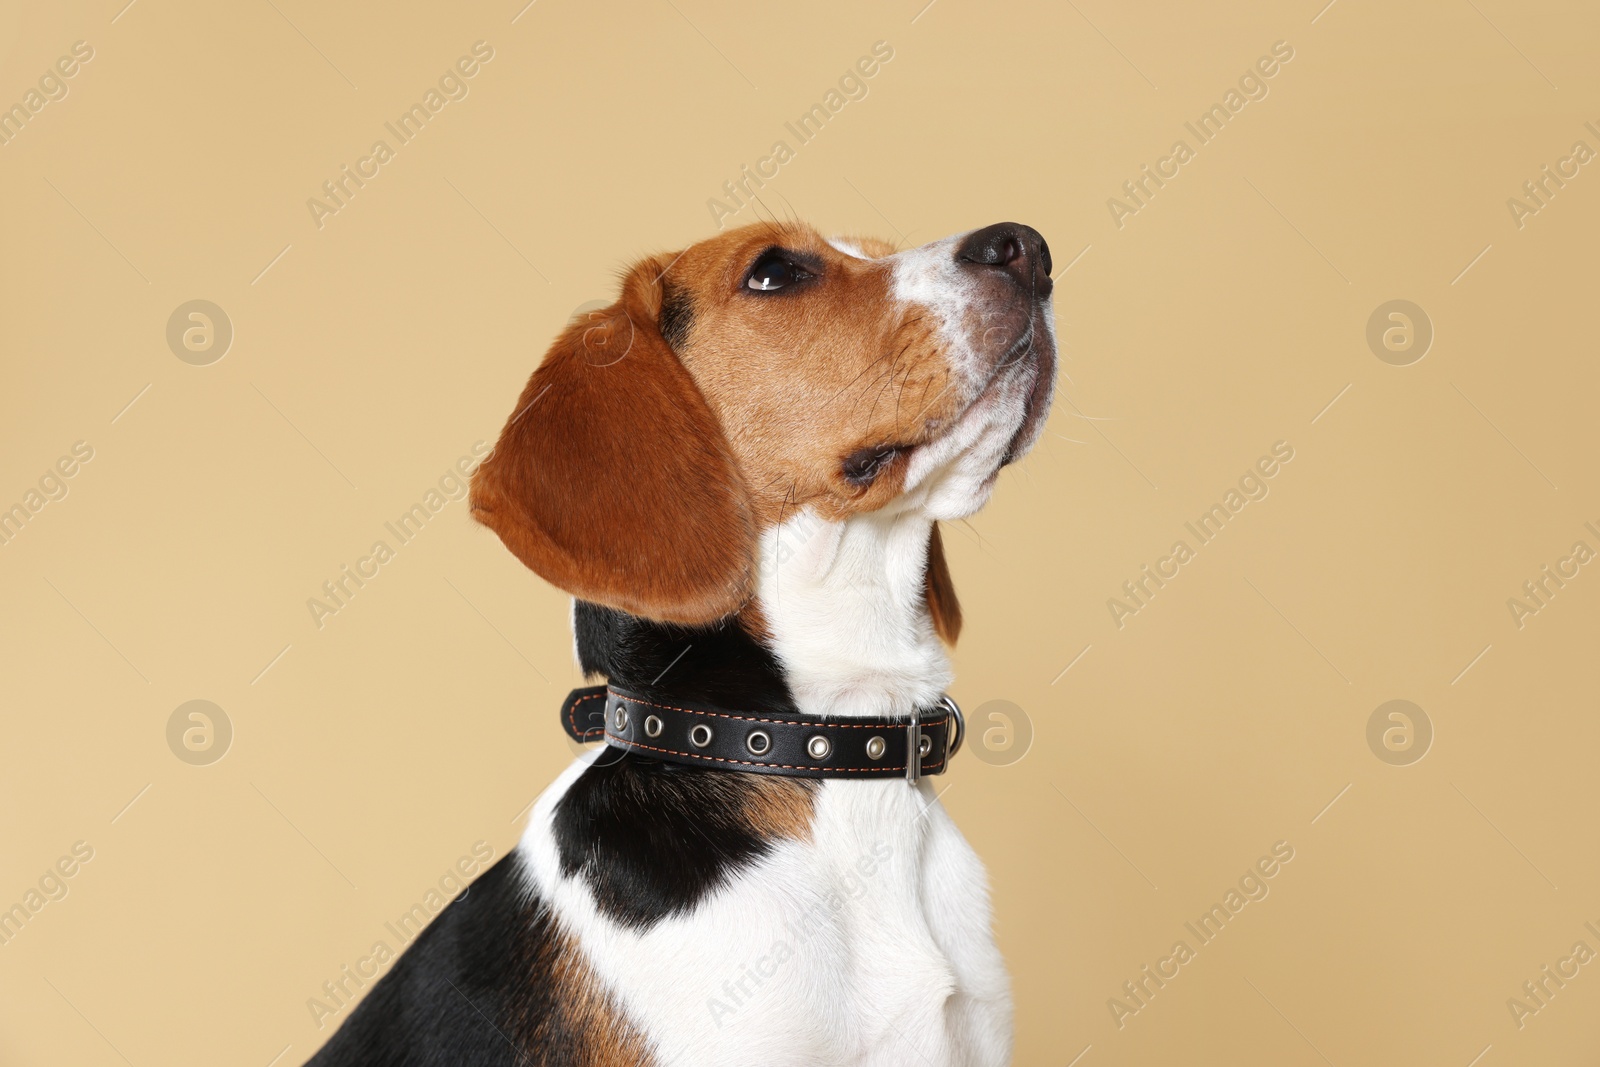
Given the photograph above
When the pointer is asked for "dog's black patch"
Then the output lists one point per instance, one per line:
(719, 664)
(652, 839)
(491, 982)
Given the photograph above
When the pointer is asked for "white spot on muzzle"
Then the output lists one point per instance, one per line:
(930, 277)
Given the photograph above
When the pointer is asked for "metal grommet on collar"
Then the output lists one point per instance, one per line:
(759, 742)
(818, 747)
(875, 747)
(652, 726)
(619, 717)
(699, 735)
(924, 745)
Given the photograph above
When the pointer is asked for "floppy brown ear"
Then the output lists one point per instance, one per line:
(613, 480)
(942, 602)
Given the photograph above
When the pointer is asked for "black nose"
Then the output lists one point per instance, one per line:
(1018, 250)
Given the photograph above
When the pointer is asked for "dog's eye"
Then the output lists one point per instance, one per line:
(773, 271)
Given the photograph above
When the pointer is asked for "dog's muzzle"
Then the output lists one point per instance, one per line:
(762, 743)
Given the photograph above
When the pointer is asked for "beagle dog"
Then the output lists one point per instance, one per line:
(738, 470)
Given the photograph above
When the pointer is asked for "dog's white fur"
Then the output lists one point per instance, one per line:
(805, 959)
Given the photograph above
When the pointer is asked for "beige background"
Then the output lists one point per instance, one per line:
(1228, 314)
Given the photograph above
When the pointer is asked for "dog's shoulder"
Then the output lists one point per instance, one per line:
(493, 981)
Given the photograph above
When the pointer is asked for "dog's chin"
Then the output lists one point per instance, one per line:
(952, 476)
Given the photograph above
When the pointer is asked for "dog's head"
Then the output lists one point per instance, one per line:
(757, 373)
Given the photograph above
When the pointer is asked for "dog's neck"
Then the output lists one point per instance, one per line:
(844, 628)
(845, 604)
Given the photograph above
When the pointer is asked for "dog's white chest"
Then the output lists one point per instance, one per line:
(868, 945)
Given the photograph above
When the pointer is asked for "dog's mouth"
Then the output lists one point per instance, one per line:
(1038, 349)
(1020, 349)
(1020, 385)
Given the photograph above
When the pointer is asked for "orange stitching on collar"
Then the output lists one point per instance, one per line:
(751, 763)
(572, 713)
(776, 722)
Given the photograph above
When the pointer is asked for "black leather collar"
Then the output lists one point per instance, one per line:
(761, 743)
